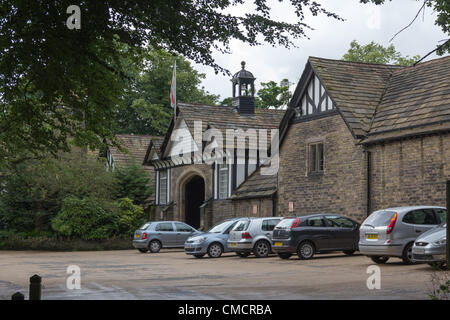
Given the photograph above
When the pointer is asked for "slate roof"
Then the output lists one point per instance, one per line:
(135, 146)
(356, 88)
(256, 186)
(416, 99)
(384, 101)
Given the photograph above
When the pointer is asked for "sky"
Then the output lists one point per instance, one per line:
(329, 39)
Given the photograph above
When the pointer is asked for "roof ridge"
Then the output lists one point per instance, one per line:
(360, 62)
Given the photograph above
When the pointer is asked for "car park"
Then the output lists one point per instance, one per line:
(213, 242)
(392, 232)
(431, 247)
(317, 233)
(152, 236)
(253, 235)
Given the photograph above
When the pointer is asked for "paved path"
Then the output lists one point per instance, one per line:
(171, 274)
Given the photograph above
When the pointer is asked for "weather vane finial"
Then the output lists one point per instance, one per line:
(243, 64)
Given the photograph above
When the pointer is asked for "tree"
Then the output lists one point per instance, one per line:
(273, 95)
(147, 108)
(376, 53)
(132, 182)
(57, 82)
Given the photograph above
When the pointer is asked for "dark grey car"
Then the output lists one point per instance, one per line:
(162, 234)
(431, 247)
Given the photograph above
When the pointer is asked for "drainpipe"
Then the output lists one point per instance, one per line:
(448, 220)
(369, 181)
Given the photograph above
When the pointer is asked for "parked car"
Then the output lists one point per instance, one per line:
(213, 242)
(316, 233)
(253, 235)
(431, 247)
(162, 234)
(391, 232)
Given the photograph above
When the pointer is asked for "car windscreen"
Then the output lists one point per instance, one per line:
(379, 218)
(220, 227)
(285, 223)
(241, 225)
(145, 226)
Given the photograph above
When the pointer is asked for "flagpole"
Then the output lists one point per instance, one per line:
(174, 91)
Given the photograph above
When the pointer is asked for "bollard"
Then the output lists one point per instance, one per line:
(35, 287)
(17, 296)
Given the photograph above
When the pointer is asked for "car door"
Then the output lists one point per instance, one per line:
(267, 227)
(166, 233)
(183, 232)
(318, 231)
(419, 221)
(343, 235)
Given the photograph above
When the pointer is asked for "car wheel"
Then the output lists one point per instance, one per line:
(407, 254)
(199, 255)
(305, 250)
(261, 249)
(285, 255)
(379, 260)
(143, 250)
(154, 246)
(215, 250)
(243, 254)
(349, 252)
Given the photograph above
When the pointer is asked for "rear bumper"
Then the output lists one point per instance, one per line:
(391, 250)
(240, 246)
(140, 244)
(282, 246)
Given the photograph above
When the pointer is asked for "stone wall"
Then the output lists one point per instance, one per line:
(342, 187)
(410, 172)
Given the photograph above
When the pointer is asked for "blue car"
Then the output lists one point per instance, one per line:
(213, 242)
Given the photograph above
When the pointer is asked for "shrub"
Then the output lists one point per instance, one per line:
(132, 182)
(131, 216)
(86, 219)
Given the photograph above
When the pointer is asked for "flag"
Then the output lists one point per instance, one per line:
(173, 90)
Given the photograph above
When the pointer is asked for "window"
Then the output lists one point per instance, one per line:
(163, 187)
(223, 181)
(269, 224)
(181, 227)
(242, 225)
(316, 157)
(422, 216)
(165, 226)
(442, 214)
(315, 222)
(340, 222)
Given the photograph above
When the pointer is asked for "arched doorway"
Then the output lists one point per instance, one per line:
(194, 197)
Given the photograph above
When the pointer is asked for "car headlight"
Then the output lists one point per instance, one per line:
(200, 240)
(441, 241)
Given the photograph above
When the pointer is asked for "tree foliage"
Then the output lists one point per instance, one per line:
(376, 53)
(147, 107)
(132, 182)
(57, 83)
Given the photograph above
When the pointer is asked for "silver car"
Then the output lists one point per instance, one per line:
(213, 242)
(392, 232)
(162, 234)
(431, 247)
(253, 235)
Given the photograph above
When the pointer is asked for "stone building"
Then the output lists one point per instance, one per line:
(199, 192)
(359, 137)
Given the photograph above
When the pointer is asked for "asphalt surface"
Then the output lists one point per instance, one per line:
(171, 274)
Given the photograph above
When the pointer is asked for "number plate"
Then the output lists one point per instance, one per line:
(372, 236)
(232, 244)
(138, 236)
(278, 244)
(419, 251)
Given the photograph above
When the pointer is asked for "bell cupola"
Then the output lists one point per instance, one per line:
(244, 91)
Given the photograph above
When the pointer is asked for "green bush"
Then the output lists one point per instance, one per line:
(131, 216)
(86, 219)
(132, 182)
